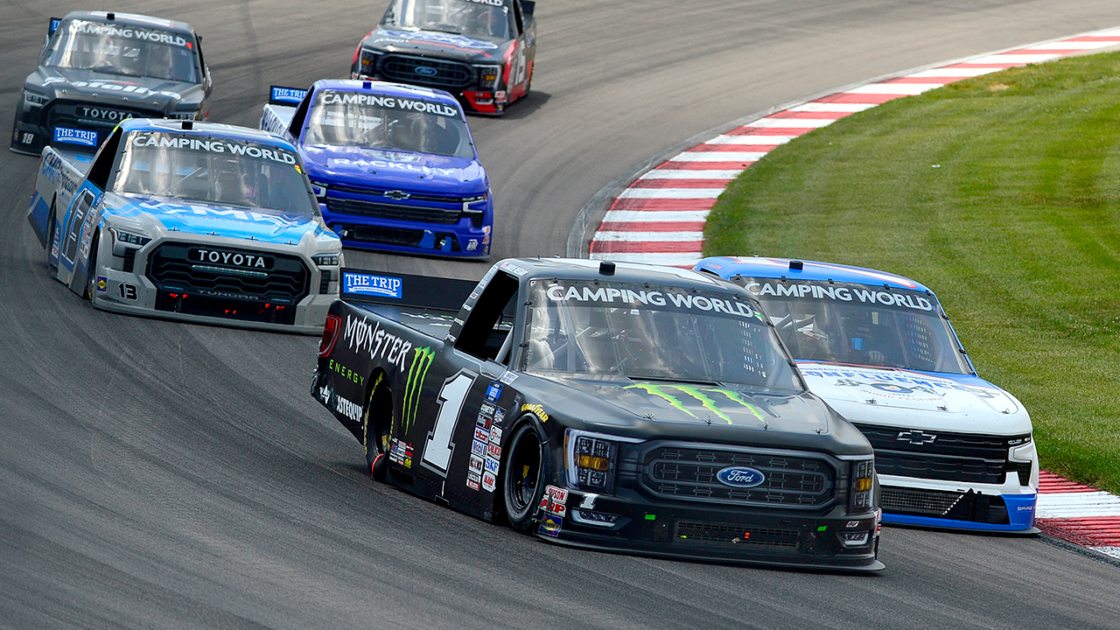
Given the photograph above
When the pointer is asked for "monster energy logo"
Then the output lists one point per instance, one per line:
(421, 361)
(701, 395)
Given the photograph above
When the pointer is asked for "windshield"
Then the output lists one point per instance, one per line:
(214, 170)
(472, 18)
(860, 325)
(663, 334)
(342, 118)
(129, 51)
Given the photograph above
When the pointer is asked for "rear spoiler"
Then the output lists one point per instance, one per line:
(405, 290)
(285, 95)
(55, 22)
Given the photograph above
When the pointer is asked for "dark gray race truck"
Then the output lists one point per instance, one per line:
(99, 68)
(610, 406)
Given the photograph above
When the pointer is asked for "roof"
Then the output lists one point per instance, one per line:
(583, 269)
(385, 88)
(231, 132)
(132, 19)
(757, 267)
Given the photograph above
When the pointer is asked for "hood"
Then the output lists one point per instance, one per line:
(176, 215)
(394, 169)
(438, 44)
(902, 398)
(113, 89)
(706, 405)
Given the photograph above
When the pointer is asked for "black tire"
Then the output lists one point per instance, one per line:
(91, 281)
(524, 475)
(378, 425)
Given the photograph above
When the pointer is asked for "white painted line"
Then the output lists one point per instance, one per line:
(1071, 46)
(1110, 551)
(791, 123)
(670, 193)
(908, 89)
(751, 140)
(1077, 505)
(664, 173)
(955, 73)
(654, 216)
(850, 108)
(672, 260)
(718, 156)
(1015, 58)
(661, 237)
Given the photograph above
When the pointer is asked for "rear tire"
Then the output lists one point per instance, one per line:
(524, 476)
(378, 425)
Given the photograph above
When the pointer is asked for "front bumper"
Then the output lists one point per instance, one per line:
(726, 535)
(458, 240)
(121, 285)
(1007, 507)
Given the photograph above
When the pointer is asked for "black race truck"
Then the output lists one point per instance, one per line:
(610, 406)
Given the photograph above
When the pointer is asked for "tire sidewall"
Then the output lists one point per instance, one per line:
(523, 519)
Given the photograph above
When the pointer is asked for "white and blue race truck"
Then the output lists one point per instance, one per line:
(952, 450)
(190, 221)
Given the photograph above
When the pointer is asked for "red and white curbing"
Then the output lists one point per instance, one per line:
(1078, 513)
(659, 218)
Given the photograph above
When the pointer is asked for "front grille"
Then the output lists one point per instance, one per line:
(943, 456)
(62, 113)
(393, 211)
(792, 480)
(725, 534)
(443, 73)
(129, 259)
(380, 192)
(285, 282)
(403, 237)
(960, 506)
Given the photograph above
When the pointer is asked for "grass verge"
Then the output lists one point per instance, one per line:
(1002, 194)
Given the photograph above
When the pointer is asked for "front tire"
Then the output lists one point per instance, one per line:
(378, 425)
(91, 271)
(524, 476)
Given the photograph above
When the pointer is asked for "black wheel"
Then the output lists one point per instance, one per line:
(524, 477)
(378, 423)
(91, 281)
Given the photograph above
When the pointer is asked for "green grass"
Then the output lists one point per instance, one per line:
(1002, 194)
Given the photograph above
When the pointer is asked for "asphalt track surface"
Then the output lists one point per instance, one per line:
(155, 474)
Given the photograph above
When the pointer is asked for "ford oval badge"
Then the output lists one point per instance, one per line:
(740, 477)
(425, 71)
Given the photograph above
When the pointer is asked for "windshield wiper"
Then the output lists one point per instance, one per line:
(667, 379)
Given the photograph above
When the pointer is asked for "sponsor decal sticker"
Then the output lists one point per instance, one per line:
(478, 448)
(212, 145)
(676, 300)
(421, 361)
(493, 391)
(350, 410)
(346, 372)
(331, 97)
(489, 481)
(551, 525)
(81, 137)
(493, 450)
(496, 435)
(536, 410)
(101, 284)
(740, 477)
(288, 95)
(369, 284)
(897, 298)
(482, 435)
(473, 482)
(508, 377)
(401, 453)
(701, 395)
(449, 39)
(491, 465)
(476, 465)
(514, 269)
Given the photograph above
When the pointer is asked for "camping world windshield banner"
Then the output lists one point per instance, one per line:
(604, 294)
(770, 290)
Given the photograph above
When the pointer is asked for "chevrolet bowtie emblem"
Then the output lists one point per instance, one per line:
(916, 437)
(396, 194)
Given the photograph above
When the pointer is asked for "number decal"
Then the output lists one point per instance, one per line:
(127, 291)
(438, 447)
(517, 69)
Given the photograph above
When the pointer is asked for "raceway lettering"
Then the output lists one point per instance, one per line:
(847, 378)
(441, 38)
(96, 28)
(114, 86)
(560, 293)
(900, 299)
(387, 102)
(212, 145)
(379, 343)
